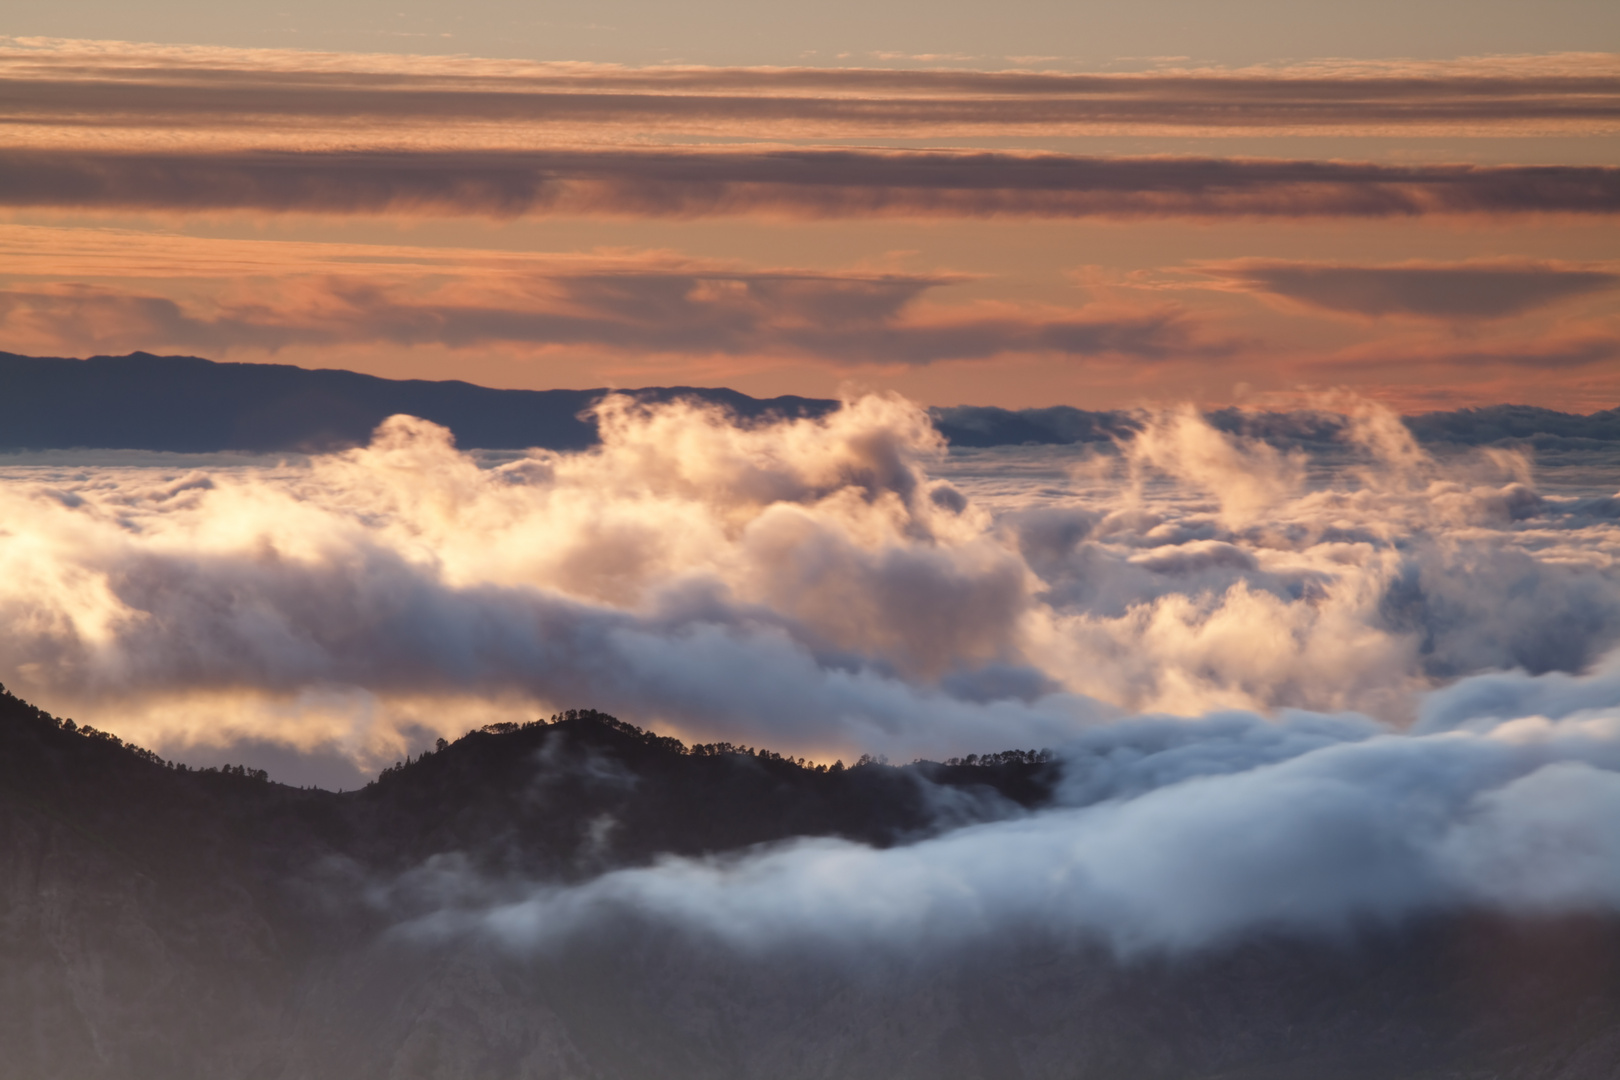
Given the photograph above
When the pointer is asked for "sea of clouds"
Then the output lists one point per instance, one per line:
(1289, 689)
(1167, 836)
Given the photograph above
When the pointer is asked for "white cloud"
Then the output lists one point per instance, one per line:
(1169, 836)
(815, 586)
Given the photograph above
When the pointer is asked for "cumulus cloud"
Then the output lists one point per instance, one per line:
(819, 585)
(704, 566)
(807, 183)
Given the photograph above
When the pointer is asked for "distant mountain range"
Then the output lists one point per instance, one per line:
(163, 923)
(188, 404)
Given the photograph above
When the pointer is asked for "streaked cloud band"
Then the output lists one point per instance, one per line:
(796, 183)
(76, 82)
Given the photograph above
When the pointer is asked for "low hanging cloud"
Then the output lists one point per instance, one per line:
(805, 184)
(1456, 291)
(1289, 693)
(1168, 836)
(327, 615)
(814, 585)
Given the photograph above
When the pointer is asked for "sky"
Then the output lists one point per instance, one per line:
(1040, 203)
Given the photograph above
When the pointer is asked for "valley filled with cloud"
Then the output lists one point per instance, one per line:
(1331, 680)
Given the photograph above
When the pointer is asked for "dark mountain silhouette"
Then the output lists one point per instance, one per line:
(1499, 423)
(187, 404)
(162, 922)
(979, 425)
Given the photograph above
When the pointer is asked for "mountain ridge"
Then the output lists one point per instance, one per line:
(174, 924)
(186, 404)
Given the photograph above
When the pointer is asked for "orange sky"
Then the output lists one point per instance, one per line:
(1430, 232)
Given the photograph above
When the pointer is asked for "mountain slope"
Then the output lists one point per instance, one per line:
(163, 922)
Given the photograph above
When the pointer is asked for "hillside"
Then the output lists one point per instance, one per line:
(165, 922)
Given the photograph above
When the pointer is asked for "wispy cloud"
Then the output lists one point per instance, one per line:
(1468, 291)
(830, 319)
(696, 183)
(1181, 835)
(114, 290)
(120, 85)
(1563, 350)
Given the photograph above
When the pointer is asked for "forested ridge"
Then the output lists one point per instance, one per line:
(158, 921)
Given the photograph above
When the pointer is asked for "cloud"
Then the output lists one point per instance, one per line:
(699, 183)
(121, 294)
(813, 585)
(1567, 348)
(1168, 836)
(322, 608)
(1457, 291)
(654, 310)
(1248, 477)
(114, 86)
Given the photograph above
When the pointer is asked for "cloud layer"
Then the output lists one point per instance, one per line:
(810, 585)
(1455, 292)
(1291, 693)
(696, 183)
(225, 92)
(1171, 836)
(656, 309)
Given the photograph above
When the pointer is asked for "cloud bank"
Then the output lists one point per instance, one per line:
(1170, 836)
(1290, 693)
(813, 585)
